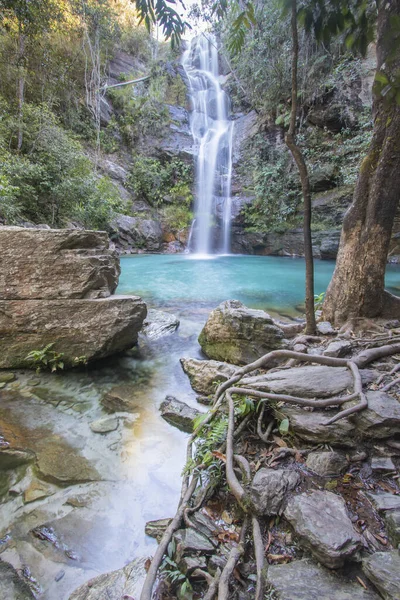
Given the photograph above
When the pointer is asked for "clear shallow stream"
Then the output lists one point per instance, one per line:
(100, 524)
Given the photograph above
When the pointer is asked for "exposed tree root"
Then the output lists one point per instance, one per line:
(235, 554)
(391, 384)
(238, 384)
(147, 590)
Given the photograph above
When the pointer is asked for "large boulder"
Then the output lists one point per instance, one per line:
(53, 264)
(239, 335)
(131, 234)
(321, 521)
(92, 329)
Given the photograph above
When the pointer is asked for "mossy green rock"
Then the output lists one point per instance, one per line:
(239, 335)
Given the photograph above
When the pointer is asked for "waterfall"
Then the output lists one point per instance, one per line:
(213, 136)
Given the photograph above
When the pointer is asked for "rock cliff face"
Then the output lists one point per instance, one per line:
(55, 288)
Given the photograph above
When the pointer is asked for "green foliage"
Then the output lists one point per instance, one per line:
(172, 573)
(52, 180)
(161, 12)
(46, 358)
(157, 182)
(141, 110)
(284, 426)
(319, 300)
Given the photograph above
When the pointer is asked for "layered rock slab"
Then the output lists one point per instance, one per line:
(90, 328)
(56, 263)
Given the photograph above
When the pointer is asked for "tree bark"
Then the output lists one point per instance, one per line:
(297, 154)
(21, 86)
(357, 286)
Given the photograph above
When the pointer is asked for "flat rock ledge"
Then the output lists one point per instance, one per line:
(305, 580)
(321, 521)
(239, 335)
(55, 288)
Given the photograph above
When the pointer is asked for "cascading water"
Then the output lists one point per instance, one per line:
(213, 135)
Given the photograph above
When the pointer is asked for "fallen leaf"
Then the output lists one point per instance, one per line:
(360, 581)
(219, 455)
(279, 558)
(227, 517)
(147, 564)
(280, 442)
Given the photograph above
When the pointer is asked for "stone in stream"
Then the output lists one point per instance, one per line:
(7, 377)
(178, 414)
(38, 490)
(239, 335)
(156, 529)
(121, 398)
(158, 324)
(12, 587)
(123, 583)
(90, 328)
(60, 463)
(105, 424)
(270, 488)
(205, 375)
(327, 464)
(305, 580)
(320, 520)
(383, 570)
(56, 263)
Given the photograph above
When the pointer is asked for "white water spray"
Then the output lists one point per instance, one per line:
(213, 135)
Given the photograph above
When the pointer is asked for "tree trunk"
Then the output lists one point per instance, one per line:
(357, 287)
(290, 139)
(21, 87)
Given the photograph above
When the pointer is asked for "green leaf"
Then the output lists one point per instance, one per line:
(381, 78)
(284, 426)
